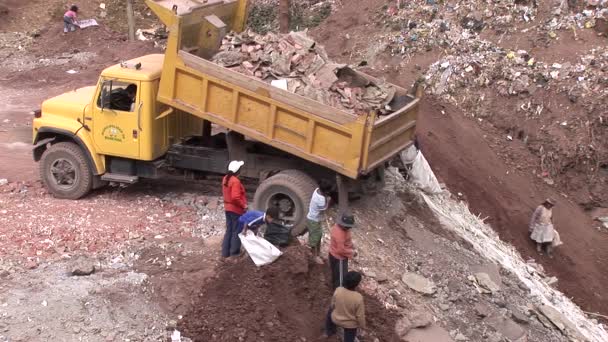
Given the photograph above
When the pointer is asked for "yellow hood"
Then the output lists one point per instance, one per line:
(70, 104)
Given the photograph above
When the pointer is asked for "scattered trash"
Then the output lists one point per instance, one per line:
(281, 84)
(84, 23)
(71, 71)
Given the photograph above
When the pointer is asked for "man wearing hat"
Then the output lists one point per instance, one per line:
(541, 228)
(340, 248)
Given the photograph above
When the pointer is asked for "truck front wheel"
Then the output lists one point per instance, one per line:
(65, 172)
(290, 191)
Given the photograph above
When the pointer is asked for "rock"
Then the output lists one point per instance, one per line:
(416, 319)
(560, 321)
(506, 327)
(444, 307)
(3, 181)
(551, 280)
(402, 327)
(485, 283)
(370, 274)
(482, 310)
(518, 316)
(432, 333)
(421, 319)
(82, 266)
(460, 337)
(31, 264)
(419, 283)
(381, 278)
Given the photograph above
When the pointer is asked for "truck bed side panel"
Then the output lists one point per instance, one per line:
(319, 134)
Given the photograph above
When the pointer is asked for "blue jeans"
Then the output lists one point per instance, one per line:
(68, 24)
(231, 244)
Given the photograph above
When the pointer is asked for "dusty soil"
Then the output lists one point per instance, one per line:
(285, 301)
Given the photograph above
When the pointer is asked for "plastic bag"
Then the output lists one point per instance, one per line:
(261, 251)
(423, 177)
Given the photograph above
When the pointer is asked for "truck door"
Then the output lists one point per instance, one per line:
(116, 115)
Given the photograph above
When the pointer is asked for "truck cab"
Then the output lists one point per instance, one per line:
(109, 126)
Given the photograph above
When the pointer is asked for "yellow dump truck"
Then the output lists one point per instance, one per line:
(180, 112)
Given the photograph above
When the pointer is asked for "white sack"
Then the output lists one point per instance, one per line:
(261, 251)
(423, 177)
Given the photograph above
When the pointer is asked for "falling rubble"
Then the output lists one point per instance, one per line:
(294, 62)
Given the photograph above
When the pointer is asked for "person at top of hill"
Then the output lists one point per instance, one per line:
(70, 21)
(235, 205)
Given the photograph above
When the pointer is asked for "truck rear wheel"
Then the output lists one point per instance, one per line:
(290, 191)
(65, 172)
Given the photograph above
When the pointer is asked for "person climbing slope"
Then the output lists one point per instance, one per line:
(541, 228)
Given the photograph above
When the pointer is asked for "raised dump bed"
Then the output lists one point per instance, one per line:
(346, 143)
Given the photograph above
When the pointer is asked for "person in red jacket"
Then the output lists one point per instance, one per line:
(235, 205)
(341, 248)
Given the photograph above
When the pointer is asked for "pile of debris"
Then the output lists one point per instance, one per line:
(425, 26)
(595, 16)
(517, 72)
(294, 62)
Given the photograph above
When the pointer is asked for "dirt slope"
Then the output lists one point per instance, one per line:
(472, 156)
(462, 158)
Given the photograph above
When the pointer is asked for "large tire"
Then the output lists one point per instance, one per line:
(294, 185)
(65, 172)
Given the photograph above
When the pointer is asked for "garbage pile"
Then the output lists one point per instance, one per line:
(517, 72)
(294, 62)
(430, 24)
(593, 16)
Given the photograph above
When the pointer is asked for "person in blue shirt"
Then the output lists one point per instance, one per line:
(253, 219)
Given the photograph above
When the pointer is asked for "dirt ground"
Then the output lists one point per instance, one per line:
(157, 244)
(285, 301)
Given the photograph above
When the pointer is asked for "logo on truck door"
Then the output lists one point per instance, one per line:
(114, 133)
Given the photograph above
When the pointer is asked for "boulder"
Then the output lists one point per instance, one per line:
(419, 283)
(82, 266)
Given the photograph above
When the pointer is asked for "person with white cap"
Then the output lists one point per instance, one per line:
(235, 205)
